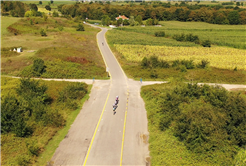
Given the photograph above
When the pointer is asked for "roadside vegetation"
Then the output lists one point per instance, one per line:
(32, 112)
(195, 125)
(50, 39)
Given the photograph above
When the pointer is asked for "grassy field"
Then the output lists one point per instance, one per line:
(222, 35)
(139, 42)
(15, 150)
(74, 51)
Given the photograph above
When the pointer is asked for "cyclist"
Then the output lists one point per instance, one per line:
(117, 100)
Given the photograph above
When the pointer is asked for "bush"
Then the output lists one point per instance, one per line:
(188, 64)
(180, 37)
(80, 28)
(206, 43)
(154, 61)
(38, 67)
(47, 7)
(74, 91)
(192, 38)
(160, 34)
(145, 63)
(203, 64)
(55, 14)
(42, 32)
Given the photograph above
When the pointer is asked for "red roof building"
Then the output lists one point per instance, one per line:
(123, 17)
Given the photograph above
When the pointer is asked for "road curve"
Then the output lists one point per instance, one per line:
(100, 137)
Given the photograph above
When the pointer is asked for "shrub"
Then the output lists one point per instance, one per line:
(188, 64)
(203, 64)
(42, 32)
(206, 43)
(55, 14)
(74, 91)
(38, 67)
(153, 74)
(192, 38)
(80, 28)
(160, 34)
(180, 37)
(145, 63)
(32, 147)
(164, 64)
(183, 68)
(154, 61)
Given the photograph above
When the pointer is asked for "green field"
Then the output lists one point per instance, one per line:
(82, 59)
(222, 35)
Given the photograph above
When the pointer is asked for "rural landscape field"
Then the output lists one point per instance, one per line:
(183, 43)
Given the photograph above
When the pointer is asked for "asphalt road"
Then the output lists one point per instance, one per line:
(101, 137)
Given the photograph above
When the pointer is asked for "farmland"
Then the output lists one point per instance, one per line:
(226, 56)
(221, 35)
(219, 57)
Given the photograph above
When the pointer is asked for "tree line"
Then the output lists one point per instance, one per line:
(19, 9)
(216, 14)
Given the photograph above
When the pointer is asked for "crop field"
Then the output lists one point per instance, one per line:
(219, 57)
(221, 35)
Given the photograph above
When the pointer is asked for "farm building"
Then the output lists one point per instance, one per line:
(123, 17)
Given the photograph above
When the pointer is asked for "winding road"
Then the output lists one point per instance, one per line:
(100, 137)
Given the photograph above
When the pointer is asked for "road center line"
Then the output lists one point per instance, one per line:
(96, 130)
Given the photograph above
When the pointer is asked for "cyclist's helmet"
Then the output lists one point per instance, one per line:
(117, 97)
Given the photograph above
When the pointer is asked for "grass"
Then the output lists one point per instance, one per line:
(222, 35)
(5, 22)
(54, 47)
(14, 149)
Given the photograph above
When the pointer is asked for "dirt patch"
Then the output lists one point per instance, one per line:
(80, 60)
(145, 138)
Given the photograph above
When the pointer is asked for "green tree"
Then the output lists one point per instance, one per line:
(80, 27)
(131, 21)
(38, 67)
(33, 7)
(105, 20)
(119, 22)
(47, 7)
(234, 17)
(139, 19)
(40, 2)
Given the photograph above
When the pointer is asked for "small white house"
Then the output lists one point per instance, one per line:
(19, 49)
